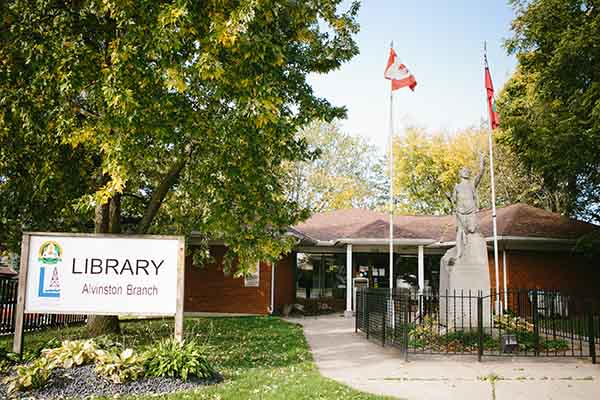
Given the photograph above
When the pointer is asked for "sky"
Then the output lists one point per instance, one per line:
(441, 42)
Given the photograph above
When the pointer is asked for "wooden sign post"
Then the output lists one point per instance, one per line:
(180, 292)
(19, 318)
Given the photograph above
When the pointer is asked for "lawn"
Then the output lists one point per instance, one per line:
(259, 357)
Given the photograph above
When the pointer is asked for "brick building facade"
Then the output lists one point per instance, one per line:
(536, 248)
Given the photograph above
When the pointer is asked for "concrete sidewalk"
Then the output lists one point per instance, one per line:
(349, 358)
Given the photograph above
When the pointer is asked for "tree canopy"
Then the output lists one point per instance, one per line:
(179, 114)
(344, 170)
(550, 108)
(426, 166)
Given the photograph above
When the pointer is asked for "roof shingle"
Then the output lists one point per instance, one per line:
(514, 220)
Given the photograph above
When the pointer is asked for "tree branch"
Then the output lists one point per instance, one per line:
(158, 196)
(135, 196)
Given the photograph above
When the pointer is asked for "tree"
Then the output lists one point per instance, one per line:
(550, 108)
(341, 174)
(426, 169)
(178, 114)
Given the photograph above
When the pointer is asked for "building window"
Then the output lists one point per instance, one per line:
(320, 276)
(253, 277)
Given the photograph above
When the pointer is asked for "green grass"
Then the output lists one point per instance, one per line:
(259, 357)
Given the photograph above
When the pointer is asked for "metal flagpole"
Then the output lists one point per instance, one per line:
(391, 199)
(493, 187)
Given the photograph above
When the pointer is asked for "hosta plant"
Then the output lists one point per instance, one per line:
(7, 360)
(178, 359)
(71, 353)
(119, 367)
(29, 376)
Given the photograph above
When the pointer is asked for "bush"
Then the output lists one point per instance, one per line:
(119, 367)
(427, 336)
(71, 353)
(174, 359)
(7, 360)
(30, 376)
(512, 323)
(527, 341)
(426, 332)
(460, 341)
(555, 345)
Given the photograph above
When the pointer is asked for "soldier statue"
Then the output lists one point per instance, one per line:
(466, 205)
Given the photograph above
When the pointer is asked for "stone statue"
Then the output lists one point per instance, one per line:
(466, 206)
(464, 267)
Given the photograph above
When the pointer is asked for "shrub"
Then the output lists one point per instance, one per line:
(555, 345)
(119, 367)
(71, 353)
(428, 336)
(110, 343)
(512, 323)
(7, 360)
(527, 342)
(174, 359)
(30, 376)
(427, 332)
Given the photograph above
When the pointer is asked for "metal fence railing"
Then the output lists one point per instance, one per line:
(524, 322)
(32, 322)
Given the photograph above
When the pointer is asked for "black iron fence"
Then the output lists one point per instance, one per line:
(524, 322)
(32, 322)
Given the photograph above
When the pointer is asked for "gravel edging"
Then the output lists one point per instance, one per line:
(83, 382)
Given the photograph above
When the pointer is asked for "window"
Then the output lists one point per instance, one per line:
(253, 277)
(320, 276)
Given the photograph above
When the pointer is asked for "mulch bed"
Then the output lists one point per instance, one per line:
(83, 382)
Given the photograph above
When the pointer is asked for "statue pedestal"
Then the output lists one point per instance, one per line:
(462, 282)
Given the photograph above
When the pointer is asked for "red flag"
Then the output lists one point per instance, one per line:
(494, 118)
(398, 73)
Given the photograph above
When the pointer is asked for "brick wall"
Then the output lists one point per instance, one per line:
(208, 289)
(500, 270)
(547, 270)
(285, 285)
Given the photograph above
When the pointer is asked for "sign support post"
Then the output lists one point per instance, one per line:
(180, 292)
(20, 311)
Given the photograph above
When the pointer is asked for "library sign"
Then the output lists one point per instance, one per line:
(101, 274)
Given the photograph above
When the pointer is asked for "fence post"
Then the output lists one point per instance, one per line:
(356, 312)
(383, 315)
(479, 327)
(591, 334)
(536, 328)
(367, 317)
(405, 303)
(396, 316)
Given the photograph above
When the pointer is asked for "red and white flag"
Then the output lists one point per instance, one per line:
(489, 88)
(398, 73)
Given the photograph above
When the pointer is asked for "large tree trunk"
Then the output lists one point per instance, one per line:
(107, 219)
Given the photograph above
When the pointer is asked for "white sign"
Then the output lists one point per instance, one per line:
(110, 275)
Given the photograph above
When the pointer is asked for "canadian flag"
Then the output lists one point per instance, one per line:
(398, 73)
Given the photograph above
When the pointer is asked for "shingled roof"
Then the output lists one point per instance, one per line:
(517, 220)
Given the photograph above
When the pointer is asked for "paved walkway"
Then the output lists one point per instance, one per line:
(349, 358)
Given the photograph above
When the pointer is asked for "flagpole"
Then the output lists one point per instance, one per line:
(493, 190)
(391, 199)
